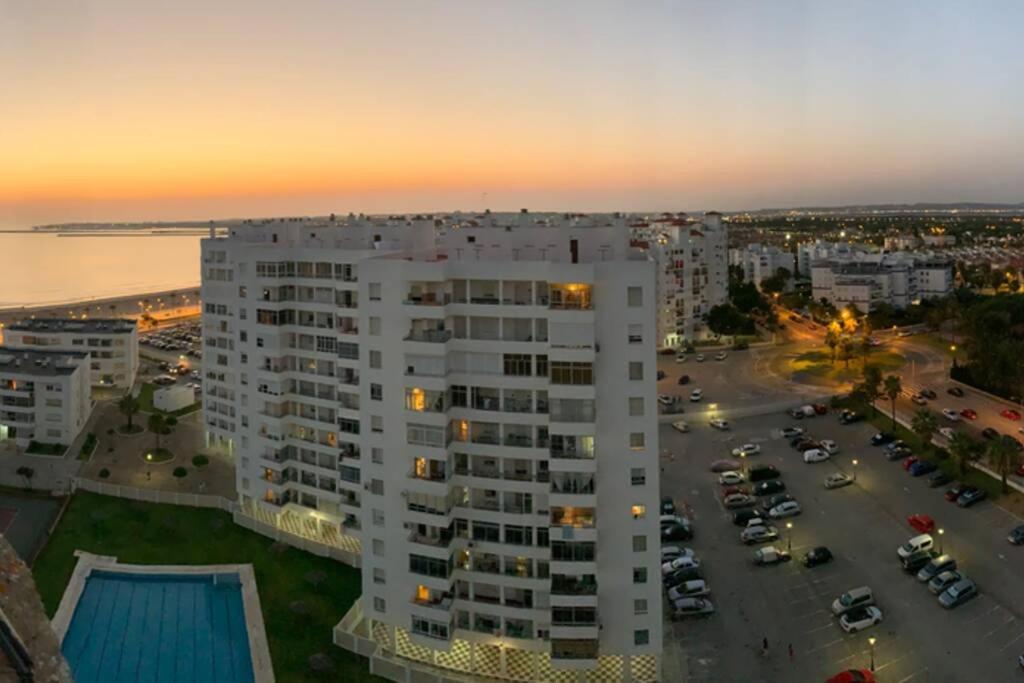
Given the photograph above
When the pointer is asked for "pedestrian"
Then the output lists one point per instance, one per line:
(791, 652)
(764, 647)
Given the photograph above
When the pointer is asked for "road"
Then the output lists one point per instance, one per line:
(863, 524)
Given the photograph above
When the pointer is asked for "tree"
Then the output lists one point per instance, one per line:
(963, 450)
(27, 473)
(846, 348)
(776, 284)
(872, 385)
(924, 424)
(832, 341)
(892, 387)
(128, 405)
(158, 425)
(1003, 457)
(864, 349)
(725, 319)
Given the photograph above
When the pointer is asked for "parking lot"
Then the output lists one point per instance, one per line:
(862, 524)
(174, 348)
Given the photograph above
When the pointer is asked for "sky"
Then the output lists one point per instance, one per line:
(121, 110)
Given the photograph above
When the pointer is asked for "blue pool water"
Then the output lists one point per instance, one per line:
(156, 627)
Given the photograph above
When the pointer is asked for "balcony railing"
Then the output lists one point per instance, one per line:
(440, 541)
(431, 336)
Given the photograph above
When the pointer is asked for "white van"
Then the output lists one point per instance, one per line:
(916, 544)
(858, 597)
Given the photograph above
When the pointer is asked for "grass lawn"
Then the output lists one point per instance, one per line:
(816, 367)
(147, 533)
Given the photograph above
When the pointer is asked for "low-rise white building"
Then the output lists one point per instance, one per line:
(897, 279)
(44, 395)
(112, 344)
(761, 261)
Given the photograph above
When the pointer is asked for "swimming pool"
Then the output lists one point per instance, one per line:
(159, 627)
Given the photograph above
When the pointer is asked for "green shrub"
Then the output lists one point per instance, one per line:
(180, 472)
(200, 460)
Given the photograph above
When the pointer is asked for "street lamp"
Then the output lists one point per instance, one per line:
(149, 471)
(941, 532)
(871, 642)
(855, 463)
(789, 536)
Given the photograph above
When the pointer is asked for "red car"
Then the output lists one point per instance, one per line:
(1011, 415)
(820, 408)
(968, 414)
(729, 490)
(853, 676)
(923, 524)
(953, 493)
(907, 462)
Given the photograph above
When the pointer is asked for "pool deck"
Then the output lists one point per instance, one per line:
(262, 668)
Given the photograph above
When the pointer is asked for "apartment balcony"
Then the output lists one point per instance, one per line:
(442, 540)
(489, 438)
(519, 440)
(429, 336)
(442, 602)
(428, 299)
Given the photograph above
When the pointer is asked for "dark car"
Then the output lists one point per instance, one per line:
(684, 379)
(676, 532)
(882, 438)
(816, 556)
(989, 433)
(820, 408)
(1016, 535)
(798, 439)
(668, 506)
(661, 374)
(682, 574)
(939, 479)
(922, 467)
(849, 417)
(894, 445)
(741, 517)
(929, 394)
(776, 500)
(914, 562)
(970, 496)
(898, 453)
(955, 391)
(954, 491)
(1013, 442)
(808, 444)
(767, 488)
(763, 472)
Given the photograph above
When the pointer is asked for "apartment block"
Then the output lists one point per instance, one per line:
(467, 405)
(897, 279)
(761, 261)
(44, 395)
(112, 344)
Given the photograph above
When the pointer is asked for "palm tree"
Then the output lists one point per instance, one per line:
(128, 405)
(1004, 458)
(892, 387)
(846, 348)
(832, 341)
(963, 449)
(158, 425)
(872, 386)
(924, 425)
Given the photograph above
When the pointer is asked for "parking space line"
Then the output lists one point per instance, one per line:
(890, 662)
(826, 645)
(919, 671)
(982, 616)
(1008, 621)
(819, 628)
(1018, 637)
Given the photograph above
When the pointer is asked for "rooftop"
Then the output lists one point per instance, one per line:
(87, 326)
(42, 363)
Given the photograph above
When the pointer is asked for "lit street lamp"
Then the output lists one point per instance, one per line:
(941, 532)
(855, 463)
(871, 642)
(789, 536)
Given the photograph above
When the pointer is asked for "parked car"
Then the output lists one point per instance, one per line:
(731, 478)
(820, 408)
(953, 492)
(853, 676)
(691, 607)
(968, 414)
(759, 534)
(680, 357)
(767, 488)
(681, 426)
(815, 455)
(746, 449)
(838, 480)
(1011, 414)
(908, 463)
(860, 618)
(915, 544)
(943, 580)
(816, 556)
(787, 509)
(676, 532)
(942, 563)
(790, 432)
(929, 394)
(683, 380)
(681, 575)
(914, 562)
(922, 524)
(947, 432)
(738, 500)
(689, 589)
(882, 438)
(829, 446)
(762, 472)
(1013, 442)
(955, 391)
(896, 445)
(808, 445)
(660, 375)
(770, 555)
(922, 467)
(970, 496)
(668, 506)
(671, 552)
(849, 417)
(959, 593)
(743, 517)
(776, 500)
(939, 479)
(852, 599)
(918, 399)
(1016, 535)
(699, 357)
(897, 453)
(735, 488)
(951, 414)
(722, 355)
(696, 395)
(666, 400)
(719, 424)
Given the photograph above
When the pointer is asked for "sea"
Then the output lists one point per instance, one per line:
(40, 268)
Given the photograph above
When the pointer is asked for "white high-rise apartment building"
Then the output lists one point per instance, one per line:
(467, 405)
(693, 271)
(44, 395)
(761, 261)
(113, 344)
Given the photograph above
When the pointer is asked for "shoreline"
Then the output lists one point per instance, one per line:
(161, 304)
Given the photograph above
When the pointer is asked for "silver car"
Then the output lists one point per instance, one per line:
(959, 593)
(759, 534)
(940, 583)
(691, 607)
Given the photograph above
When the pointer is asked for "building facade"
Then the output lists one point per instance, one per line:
(44, 395)
(468, 403)
(761, 261)
(897, 279)
(112, 344)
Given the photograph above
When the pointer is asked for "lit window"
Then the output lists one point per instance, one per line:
(639, 511)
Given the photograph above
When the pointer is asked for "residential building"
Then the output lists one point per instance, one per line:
(424, 392)
(761, 261)
(113, 344)
(897, 279)
(808, 253)
(44, 395)
(693, 272)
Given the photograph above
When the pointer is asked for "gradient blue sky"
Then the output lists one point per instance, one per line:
(120, 110)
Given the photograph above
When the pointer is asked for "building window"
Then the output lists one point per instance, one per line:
(567, 372)
(379, 605)
(637, 441)
(640, 606)
(375, 359)
(374, 326)
(637, 476)
(376, 392)
(636, 370)
(374, 291)
(376, 423)
(636, 334)
(639, 511)
(379, 576)
(639, 574)
(378, 547)
(378, 518)
(636, 406)
(377, 487)
(459, 396)
(635, 297)
(518, 364)
(377, 455)
(640, 636)
(639, 544)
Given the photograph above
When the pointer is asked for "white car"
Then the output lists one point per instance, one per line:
(681, 426)
(860, 618)
(731, 478)
(665, 399)
(689, 589)
(815, 455)
(681, 562)
(947, 432)
(759, 534)
(671, 552)
(680, 357)
(755, 521)
(951, 414)
(696, 395)
(746, 450)
(691, 607)
(700, 357)
(790, 432)
(829, 446)
(721, 356)
(719, 424)
(790, 508)
(838, 480)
